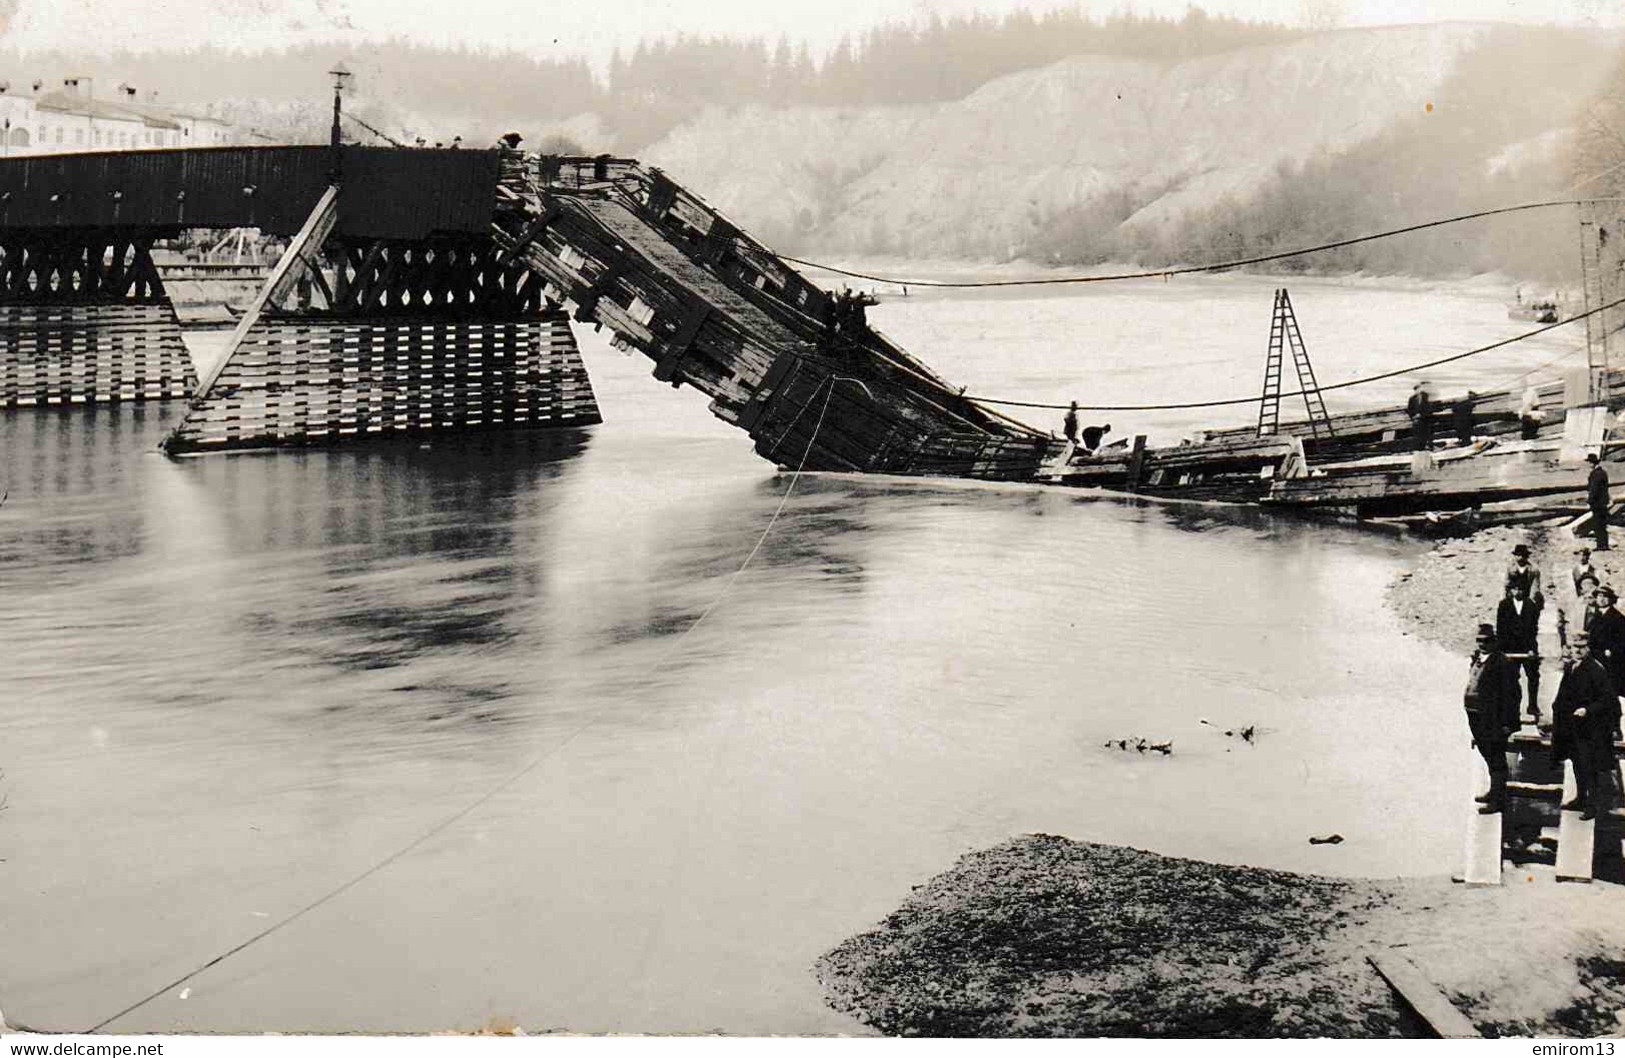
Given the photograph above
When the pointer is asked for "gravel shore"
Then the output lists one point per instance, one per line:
(1044, 936)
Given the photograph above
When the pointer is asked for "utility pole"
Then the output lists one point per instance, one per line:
(339, 75)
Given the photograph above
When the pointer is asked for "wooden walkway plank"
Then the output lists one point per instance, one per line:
(1576, 837)
(1423, 996)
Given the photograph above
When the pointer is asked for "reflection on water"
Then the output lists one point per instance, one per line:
(235, 683)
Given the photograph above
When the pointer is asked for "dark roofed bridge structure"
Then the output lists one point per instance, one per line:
(433, 290)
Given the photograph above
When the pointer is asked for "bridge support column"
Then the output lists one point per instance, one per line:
(318, 380)
(84, 320)
(413, 337)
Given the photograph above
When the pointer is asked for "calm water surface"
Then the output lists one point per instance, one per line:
(234, 683)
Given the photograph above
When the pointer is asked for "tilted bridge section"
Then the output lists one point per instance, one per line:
(433, 290)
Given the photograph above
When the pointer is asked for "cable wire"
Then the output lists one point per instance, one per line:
(1221, 266)
(1301, 392)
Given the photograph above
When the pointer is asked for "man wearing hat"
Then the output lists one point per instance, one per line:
(1607, 630)
(1491, 701)
(1583, 567)
(1420, 409)
(1521, 571)
(1597, 500)
(1517, 630)
(1585, 713)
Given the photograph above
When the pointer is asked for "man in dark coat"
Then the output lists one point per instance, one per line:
(1420, 409)
(1597, 500)
(1461, 413)
(1585, 713)
(1607, 631)
(1517, 630)
(1491, 701)
(1521, 571)
(1069, 425)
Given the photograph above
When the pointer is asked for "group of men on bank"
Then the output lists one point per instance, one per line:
(1585, 712)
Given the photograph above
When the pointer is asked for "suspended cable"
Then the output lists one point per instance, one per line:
(1300, 392)
(1220, 266)
(381, 135)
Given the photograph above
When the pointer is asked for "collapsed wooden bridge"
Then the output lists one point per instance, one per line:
(433, 290)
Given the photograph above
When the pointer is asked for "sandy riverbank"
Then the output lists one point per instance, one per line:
(1044, 936)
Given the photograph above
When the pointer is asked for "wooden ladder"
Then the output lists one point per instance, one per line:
(1284, 335)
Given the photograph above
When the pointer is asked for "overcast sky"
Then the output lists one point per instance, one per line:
(594, 28)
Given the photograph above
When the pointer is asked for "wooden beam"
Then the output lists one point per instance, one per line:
(312, 234)
(675, 348)
(1576, 837)
(1423, 997)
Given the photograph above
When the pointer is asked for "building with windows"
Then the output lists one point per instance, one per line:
(73, 119)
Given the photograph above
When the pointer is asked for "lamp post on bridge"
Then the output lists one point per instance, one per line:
(339, 75)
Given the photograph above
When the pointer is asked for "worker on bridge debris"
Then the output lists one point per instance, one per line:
(1093, 435)
(1420, 409)
(1585, 712)
(1069, 425)
(849, 311)
(1517, 630)
(1462, 414)
(1529, 414)
(1491, 701)
(1597, 500)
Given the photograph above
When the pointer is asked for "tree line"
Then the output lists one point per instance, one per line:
(649, 91)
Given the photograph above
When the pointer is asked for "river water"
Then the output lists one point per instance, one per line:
(234, 683)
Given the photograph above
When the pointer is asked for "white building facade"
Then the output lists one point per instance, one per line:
(72, 119)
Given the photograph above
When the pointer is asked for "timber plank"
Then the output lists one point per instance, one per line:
(1423, 997)
(1576, 837)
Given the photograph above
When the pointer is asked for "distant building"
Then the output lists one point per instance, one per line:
(72, 119)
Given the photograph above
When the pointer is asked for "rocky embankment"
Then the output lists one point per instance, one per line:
(1044, 936)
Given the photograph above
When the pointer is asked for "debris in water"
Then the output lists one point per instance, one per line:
(1140, 745)
(1330, 839)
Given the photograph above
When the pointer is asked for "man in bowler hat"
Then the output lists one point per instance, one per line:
(1491, 701)
(1585, 713)
(1597, 500)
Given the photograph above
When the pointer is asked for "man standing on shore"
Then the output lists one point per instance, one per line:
(1522, 572)
(1517, 631)
(1607, 631)
(1585, 712)
(1491, 701)
(1597, 500)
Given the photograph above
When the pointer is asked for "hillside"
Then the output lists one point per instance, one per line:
(1127, 153)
